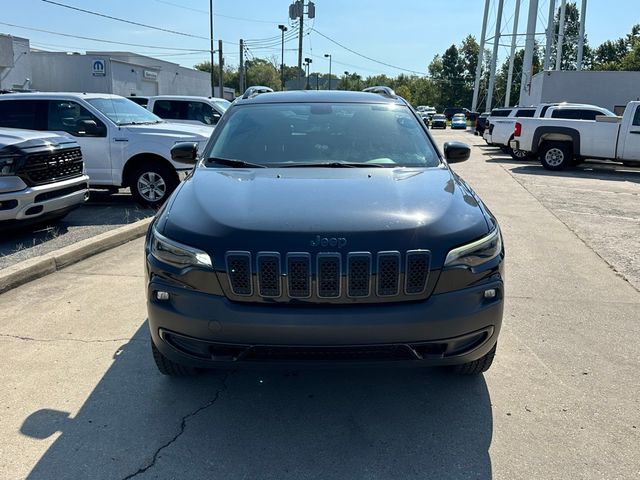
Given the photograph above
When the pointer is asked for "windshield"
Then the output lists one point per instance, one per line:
(281, 134)
(222, 104)
(123, 111)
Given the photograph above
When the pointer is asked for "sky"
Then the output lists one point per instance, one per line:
(405, 34)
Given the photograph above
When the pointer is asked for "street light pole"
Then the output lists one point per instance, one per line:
(328, 55)
(282, 29)
(307, 62)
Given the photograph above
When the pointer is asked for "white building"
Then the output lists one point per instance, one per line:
(121, 73)
(15, 63)
(611, 90)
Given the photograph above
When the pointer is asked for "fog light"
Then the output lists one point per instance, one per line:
(491, 293)
(162, 296)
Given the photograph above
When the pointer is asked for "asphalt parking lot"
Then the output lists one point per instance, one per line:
(101, 213)
(82, 398)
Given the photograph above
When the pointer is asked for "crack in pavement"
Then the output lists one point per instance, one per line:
(79, 340)
(183, 426)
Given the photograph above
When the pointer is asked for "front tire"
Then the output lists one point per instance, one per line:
(477, 366)
(169, 367)
(556, 155)
(152, 183)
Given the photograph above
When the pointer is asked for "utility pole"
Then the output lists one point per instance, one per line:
(476, 86)
(583, 16)
(241, 68)
(550, 23)
(514, 33)
(220, 68)
(494, 56)
(213, 82)
(297, 10)
(563, 9)
(282, 29)
(527, 62)
(307, 64)
(328, 55)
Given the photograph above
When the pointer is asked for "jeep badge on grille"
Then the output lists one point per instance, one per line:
(328, 241)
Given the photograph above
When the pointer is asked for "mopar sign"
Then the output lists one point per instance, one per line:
(98, 67)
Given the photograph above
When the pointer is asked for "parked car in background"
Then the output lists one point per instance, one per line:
(438, 121)
(41, 177)
(503, 127)
(495, 113)
(430, 111)
(123, 144)
(560, 139)
(481, 122)
(459, 121)
(449, 112)
(142, 101)
(188, 109)
(299, 267)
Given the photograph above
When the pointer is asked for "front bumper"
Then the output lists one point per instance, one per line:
(34, 203)
(205, 330)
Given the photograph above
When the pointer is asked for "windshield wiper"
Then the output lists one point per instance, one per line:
(235, 163)
(332, 165)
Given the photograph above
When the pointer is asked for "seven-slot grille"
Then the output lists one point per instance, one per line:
(41, 168)
(303, 276)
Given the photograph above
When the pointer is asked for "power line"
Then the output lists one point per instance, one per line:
(216, 14)
(367, 57)
(130, 22)
(93, 39)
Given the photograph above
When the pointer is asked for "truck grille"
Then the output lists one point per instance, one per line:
(42, 168)
(328, 275)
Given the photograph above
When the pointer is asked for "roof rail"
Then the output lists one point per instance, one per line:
(256, 90)
(381, 90)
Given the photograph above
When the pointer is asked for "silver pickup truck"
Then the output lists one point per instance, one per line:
(41, 177)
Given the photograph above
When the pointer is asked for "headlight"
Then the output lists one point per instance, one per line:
(8, 165)
(476, 253)
(177, 254)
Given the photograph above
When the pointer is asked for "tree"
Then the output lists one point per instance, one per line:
(570, 41)
(405, 93)
(262, 72)
(620, 54)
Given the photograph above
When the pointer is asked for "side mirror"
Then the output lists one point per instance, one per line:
(456, 152)
(185, 152)
(88, 128)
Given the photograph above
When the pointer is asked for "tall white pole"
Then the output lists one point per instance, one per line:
(494, 56)
(563, 10)
(583, 16)
(550, 23)
(516, 15)
(527, 62)
(483, 35)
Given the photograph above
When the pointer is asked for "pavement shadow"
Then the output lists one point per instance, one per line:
(270, 424)
(598, 171)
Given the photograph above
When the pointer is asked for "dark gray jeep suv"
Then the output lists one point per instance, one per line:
(323, 227)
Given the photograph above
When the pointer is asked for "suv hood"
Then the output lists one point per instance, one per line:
(177, 131)
(286, 209)
(30, 138)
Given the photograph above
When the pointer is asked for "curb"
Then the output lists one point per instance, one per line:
(28, 270)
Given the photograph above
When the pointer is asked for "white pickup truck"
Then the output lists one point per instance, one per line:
(123, 144)
(501, 128)
(560, 142)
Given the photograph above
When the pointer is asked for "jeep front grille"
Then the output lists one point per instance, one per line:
(42, 168)
(341, 278)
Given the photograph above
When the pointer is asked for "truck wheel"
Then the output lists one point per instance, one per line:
(168, 367)
(556, 155)
(518, 154)
(151, 184)
(477, 366)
